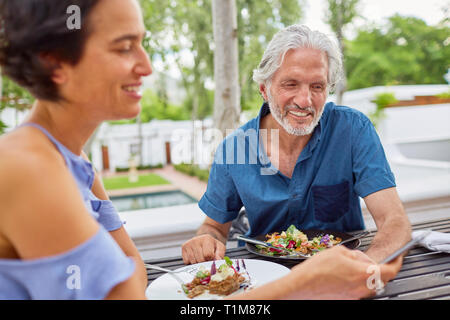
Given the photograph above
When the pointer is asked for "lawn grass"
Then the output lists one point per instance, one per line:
(145, 180)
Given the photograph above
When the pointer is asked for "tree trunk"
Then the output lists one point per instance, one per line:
(341, 86)
(141, 139)
(194, 136)
(227, 108)
(340, 14)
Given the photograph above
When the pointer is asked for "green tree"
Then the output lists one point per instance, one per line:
(404, 51)
(341, 13)
(13, 96)
(382, 100)
(184, 26)
(153, 107)
(258, 21)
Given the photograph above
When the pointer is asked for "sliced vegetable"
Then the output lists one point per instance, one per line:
(205, 280)
(201, 274)
(213, 268)
(291, 244)
(291, 229)
(228, 261)
(185, 289)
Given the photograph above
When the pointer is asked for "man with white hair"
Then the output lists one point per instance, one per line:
(314, 160)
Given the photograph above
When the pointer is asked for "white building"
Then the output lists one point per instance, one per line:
(416, 139)
(163, 141)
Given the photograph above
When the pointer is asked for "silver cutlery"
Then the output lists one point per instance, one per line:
(355, 237)
(155, 267)
(172, 273)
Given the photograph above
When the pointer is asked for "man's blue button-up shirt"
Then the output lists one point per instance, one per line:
(343, 160)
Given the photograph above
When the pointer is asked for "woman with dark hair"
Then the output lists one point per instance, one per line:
(60, 237)
(56, 224)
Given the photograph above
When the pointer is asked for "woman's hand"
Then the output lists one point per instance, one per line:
(336, 273)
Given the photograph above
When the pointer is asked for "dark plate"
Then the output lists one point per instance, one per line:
(310, 234)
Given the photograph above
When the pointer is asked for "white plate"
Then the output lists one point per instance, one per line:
(166, 287)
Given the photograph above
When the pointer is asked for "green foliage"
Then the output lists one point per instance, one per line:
(405, 51)
(258, 21)
(340, 13)
(193, 170)
(141, 167)
(3, 126)
(444, 95)
(382, 100)
(188, 25)
(13, 96)
(153, 107)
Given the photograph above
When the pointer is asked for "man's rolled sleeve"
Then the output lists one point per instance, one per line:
(374, 184)
(371, 170)
(221, 201)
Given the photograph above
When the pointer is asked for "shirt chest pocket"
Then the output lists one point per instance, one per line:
(331, 202)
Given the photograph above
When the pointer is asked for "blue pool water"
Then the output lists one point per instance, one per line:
(151, 200)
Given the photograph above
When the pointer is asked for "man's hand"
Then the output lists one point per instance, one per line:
(209, 244)
(202, 248)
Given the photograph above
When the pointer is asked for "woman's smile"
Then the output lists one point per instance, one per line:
(133, 91)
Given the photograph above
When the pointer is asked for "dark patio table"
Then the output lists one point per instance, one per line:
(424, 275)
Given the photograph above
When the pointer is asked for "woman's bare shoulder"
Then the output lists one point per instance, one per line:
(25, 148)
(38, 192)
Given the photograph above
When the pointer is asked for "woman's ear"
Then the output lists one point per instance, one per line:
(59, 75)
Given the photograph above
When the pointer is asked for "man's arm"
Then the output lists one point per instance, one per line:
(217, 230)
(394, 228)
(208, 244)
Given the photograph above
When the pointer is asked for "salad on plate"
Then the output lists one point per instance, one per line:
(223, 280)
(294, 242)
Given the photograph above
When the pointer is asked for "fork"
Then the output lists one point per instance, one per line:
(170, 272)
(355, 237)
(155, 267)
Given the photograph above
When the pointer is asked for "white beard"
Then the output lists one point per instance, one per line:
(284, 122)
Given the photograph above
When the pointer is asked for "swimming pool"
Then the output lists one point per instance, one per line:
(151, 200)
